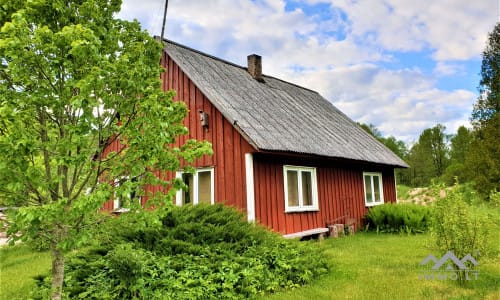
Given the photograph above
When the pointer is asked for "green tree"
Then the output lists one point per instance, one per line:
(429, 156)
(459, 148)
(73, 81)
(421, 171)
(459, 144)
(488, 104)
(484, 158)
(397, 146)
(371, 129)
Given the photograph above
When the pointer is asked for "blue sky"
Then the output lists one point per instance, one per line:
(402, 65)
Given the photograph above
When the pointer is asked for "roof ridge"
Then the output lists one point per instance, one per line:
(233, 64)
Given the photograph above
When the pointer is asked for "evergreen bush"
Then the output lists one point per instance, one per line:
(193, 252)
(392, 217)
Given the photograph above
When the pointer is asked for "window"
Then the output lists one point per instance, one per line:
(301, 192)
(374, 194)
(200, 187)
(127, 195)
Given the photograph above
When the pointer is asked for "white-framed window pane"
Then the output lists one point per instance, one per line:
(187, 195)
(373, 188)
(199, 187)
(368, 189)
(307, 193)
(301, 193)
(376, 188)
(204, 187)
(293, 188)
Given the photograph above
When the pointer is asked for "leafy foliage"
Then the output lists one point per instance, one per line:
(484, 158)
(74, 81)
(429, 156)
(459, 149)
(195, 252)
(495, 198)
(488, 104)
(390, 217)
(483, 161)
(457, 229)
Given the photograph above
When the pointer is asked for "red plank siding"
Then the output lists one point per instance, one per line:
(228, 146)
(340, 193)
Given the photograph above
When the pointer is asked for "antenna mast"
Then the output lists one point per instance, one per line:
(164, 20)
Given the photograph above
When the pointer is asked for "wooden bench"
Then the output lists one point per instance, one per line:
(320, 231)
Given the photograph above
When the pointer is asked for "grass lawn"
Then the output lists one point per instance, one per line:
(364, 266)
(371, 266)
(18, 265)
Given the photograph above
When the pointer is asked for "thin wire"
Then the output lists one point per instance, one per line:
(164, 20)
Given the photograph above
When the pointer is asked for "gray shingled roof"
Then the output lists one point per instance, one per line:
(276, 115)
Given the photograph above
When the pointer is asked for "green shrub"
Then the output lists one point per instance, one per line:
(495, 198)
(391, 217)
(193, 252)
(458, 229)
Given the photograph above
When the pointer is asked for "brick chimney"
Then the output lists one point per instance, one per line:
(255, 67)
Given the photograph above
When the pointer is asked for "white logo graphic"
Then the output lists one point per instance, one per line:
(452, 267)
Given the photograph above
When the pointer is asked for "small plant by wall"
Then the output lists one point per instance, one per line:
(391, 217)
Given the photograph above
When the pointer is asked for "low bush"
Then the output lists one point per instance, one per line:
(457, 228)
(194, 252)
(391, 217)
(495, 198)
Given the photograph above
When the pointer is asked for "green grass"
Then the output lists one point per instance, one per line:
(365, 266)
(18, 265)
(403, 192)
(371, 266)
(386, 266)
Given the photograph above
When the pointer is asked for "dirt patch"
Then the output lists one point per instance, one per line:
(422, 196)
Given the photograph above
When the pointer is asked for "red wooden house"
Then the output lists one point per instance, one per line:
(283, 154)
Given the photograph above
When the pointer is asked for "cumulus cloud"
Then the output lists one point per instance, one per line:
(341, 52)
(448, 69)
(454, 29)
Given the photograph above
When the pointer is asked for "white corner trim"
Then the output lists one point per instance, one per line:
(178, 195)
(395, 185)
(250, 187)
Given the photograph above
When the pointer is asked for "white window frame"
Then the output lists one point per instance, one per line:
(117, 203)
(178, 196)
(381, 188)
(314, 186)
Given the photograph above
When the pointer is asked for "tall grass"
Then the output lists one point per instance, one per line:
(371, 266)
(18, 267)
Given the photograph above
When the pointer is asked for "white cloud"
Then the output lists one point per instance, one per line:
(401, 103)
(448, 69)
(299, 47)
(453, 29)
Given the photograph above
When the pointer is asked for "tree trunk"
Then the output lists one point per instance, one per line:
(57, 272)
